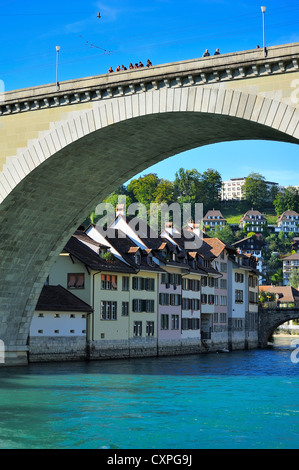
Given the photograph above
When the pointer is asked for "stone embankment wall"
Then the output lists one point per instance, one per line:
(49, 349)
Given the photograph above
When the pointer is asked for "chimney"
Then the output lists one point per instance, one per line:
(120, 210)
(169, 227)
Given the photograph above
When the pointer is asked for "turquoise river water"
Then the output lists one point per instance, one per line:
(236, 400)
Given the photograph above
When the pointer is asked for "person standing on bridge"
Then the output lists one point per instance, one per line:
(206, 53)
(148, 63)
(217, 51)
(110, 70)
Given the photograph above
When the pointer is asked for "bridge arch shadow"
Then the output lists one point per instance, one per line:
(50, 187)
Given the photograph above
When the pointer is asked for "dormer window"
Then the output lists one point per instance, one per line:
(150, 261)
(137, 258)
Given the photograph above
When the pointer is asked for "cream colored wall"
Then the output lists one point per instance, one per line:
(17, 129)
(122, 328)
(58, 275)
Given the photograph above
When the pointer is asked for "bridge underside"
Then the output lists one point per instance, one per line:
(44, 209)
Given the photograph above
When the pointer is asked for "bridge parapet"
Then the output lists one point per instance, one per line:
(203, 71)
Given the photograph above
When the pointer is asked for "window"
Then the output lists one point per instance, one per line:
(164, 322)
(175, 322)
(215, 317)
(223, 300)
(142, 283)
(109, 282)
(164, 299)
(150, 328)
(204, 281)
(238, 296)
(223, 283)
(204, 298)
(190, 304)
(125, 309)
(190, 323)
(223, 317)
(253, 297)
(125, 283)
(239, 277)
(175, 299)
(108, 310)
(137, 328)
(211, 299)
(174, 279)
(223, 267)
(75, 281)
(140, 305)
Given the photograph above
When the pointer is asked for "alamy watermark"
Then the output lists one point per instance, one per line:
(149, 223)
(295, 92)
(294, 357)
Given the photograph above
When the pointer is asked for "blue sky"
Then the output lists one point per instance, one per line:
(161, 30)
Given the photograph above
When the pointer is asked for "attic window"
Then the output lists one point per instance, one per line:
(75, 281)
(137, 258)
(150, 261)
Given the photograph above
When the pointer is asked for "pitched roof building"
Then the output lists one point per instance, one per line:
(253, 221)
(288, 221)
(214, 220)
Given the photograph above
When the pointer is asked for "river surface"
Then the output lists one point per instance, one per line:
(236, 400)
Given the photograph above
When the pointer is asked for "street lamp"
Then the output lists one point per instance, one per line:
(57, 51)
(263, 11)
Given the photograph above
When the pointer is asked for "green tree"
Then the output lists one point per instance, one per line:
(143, 189)
(225, 234)
(211, 183)
(255, 190)
(289, 200)
(187, 186)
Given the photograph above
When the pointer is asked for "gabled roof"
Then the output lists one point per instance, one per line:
(294, 256)
(217, 246)
(213, 214)
(247, 215)
(284, 215)
(283, 293)
(246, 240)
(56, 298)
(88, 257)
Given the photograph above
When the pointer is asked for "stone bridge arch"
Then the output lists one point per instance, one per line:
(270, 319)
(49, 187)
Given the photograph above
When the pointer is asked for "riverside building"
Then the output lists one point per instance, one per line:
(146, 296)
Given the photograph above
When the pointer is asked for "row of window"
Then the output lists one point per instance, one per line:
(109, 308)
(170, 299)
(57, 315)
(149, 328)
(173, 322)
(109, 281)
(41, 332)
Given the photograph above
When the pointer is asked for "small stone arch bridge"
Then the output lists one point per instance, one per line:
(62, 151)
(272, 318)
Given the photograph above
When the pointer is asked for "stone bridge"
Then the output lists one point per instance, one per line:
(62, 151)
(270, 319)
